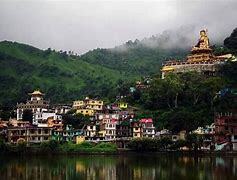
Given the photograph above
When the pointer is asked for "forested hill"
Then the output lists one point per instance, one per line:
(142, 57)
(64, 77)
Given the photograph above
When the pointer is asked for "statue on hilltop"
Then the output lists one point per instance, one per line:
(203, 41)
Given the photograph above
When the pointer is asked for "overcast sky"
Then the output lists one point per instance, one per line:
(84, 25)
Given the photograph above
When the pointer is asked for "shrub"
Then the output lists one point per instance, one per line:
(3, 146)
(21, 146)
(50, 146)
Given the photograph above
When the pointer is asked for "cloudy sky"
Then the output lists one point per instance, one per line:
(83, 25)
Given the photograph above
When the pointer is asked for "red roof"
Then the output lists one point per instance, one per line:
(148, 120)
(113, 120)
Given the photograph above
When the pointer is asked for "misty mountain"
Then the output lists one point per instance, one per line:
(64, 77)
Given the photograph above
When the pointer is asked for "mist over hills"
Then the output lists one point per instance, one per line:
(64, 76)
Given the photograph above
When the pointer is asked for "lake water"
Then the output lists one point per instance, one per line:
(109, 167)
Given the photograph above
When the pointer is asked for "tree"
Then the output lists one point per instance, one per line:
(5, 115)
(231, 42)
(192, 87)
(77, 121)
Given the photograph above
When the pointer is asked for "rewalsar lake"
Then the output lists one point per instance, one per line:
(109, 167)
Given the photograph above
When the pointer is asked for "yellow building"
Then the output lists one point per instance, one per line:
(123, 105)
(80, 139)
(88, 106)
(86, 112)
(136, 130)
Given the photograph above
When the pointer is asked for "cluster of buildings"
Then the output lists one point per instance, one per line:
(108, 123)
(117, 122)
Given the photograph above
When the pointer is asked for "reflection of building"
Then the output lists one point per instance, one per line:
(36, 104)
(29, 134)
(200, 60)
(88, 106)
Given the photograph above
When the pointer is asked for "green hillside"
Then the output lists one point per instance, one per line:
(135, 57)
(65, 77)
(62, 77)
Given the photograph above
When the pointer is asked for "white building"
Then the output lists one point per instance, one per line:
(110, 129)
(36, 104)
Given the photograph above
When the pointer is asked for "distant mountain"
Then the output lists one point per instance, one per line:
(142, 57)
(64, 77)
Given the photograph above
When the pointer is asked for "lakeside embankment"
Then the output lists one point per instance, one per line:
(86, 148)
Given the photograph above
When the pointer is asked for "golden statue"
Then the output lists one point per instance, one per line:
(203, 42)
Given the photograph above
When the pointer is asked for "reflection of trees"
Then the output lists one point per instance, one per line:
(155, 166)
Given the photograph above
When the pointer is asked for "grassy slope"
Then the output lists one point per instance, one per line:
(63, 78)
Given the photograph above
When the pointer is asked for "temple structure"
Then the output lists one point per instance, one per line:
(36, 104)
(201, 59)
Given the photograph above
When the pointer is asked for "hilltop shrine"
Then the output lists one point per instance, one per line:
(201, 59)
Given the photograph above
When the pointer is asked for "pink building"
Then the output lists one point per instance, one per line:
(226, 130)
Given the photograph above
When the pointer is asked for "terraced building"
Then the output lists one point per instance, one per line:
(201, 59)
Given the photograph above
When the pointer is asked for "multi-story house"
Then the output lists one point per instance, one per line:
(207, 134)
(148, 129)
(122, 105)
(61, 109)
(45, 117)
(123, 129)
(88, 106)
(67, 135)
(226, 131)
(110, 129)
(143, 128)
(136, 130)
(36, 104)
(91, 131)
(29, 134)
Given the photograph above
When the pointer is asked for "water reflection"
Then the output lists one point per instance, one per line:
(134, 167)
